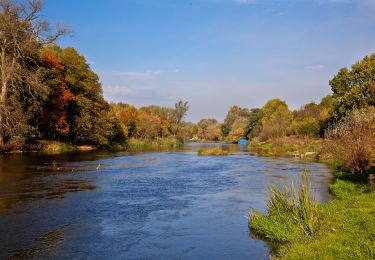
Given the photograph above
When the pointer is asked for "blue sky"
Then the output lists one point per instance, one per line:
(216, 53)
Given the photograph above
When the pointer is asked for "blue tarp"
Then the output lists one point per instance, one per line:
(242, 141)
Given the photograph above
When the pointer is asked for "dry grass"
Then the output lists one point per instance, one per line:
(215, 151)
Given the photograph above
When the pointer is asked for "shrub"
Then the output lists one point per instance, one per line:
(291, 213)
(351, 141)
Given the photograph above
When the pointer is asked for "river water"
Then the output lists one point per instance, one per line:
(146, 205)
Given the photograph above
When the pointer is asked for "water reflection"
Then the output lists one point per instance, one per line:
(140, 205)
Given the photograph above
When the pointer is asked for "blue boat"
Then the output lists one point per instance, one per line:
(242, 141)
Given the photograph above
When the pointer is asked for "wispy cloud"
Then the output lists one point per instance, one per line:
(314, 67)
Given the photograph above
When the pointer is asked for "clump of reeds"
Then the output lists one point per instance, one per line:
(292, 212)
(215, 151)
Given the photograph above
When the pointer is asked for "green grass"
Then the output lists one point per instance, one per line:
(291, 214)
(215, 151)
(345, 227)
(134, 144)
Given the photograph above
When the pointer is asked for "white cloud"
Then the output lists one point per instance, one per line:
(314, 67)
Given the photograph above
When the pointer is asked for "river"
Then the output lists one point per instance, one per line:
(146, 205)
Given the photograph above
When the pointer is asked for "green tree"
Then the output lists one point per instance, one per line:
(276, 118)
(253, 125)
(233, 114)
(354, 88)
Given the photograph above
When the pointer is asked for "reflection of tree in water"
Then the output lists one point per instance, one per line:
(44, 243)
(50, 188)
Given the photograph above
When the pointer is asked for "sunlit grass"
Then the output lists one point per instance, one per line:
(344, 228)
(292, 212)
(214, 151)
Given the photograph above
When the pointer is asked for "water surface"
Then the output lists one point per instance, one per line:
(159, 205)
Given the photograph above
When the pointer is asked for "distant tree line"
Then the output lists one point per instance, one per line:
(353, 89)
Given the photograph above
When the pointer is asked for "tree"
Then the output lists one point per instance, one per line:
(234, 113)
(355, 88)
(22, 35)
(253, 125)
(54, 121)
(237, 130)
(180, 110)
(276, 118)
(89, 114)
(209, 130)
(127, 116)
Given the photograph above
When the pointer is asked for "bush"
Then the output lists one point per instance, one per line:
(351, 141)
(291, 214)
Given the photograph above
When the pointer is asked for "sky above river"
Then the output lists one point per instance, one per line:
(216, 53)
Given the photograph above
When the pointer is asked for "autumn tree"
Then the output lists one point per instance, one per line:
(180, 110)
(276, 118)
(88, 113)
(22, 35)
(233, 114)
(54, 120)
(209, 130)
(237, 131)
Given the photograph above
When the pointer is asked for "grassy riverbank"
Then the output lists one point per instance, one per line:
(344, 228)
(134, 144)
(306, 147)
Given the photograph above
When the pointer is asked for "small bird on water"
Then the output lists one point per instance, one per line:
(98, 167)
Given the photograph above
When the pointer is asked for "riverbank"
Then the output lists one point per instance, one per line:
(345, 227)
(132, 144)
(290, 146)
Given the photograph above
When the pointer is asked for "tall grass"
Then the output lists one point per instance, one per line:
(214, 151)
(292, 212)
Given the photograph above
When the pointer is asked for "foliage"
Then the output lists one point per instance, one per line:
(253, 125)
(233, 114)
(209, 130)
(77, 110)
(179, 112)
(54, 122)
(291, 214)
(354, 88)
(308, 126)
(351, 141)
(237, 130)
(152, 122)
(276, 118)
(23, 34)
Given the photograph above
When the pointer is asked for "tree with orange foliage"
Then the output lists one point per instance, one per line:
(54, 120)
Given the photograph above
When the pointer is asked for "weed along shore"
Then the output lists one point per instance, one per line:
(297, 227)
